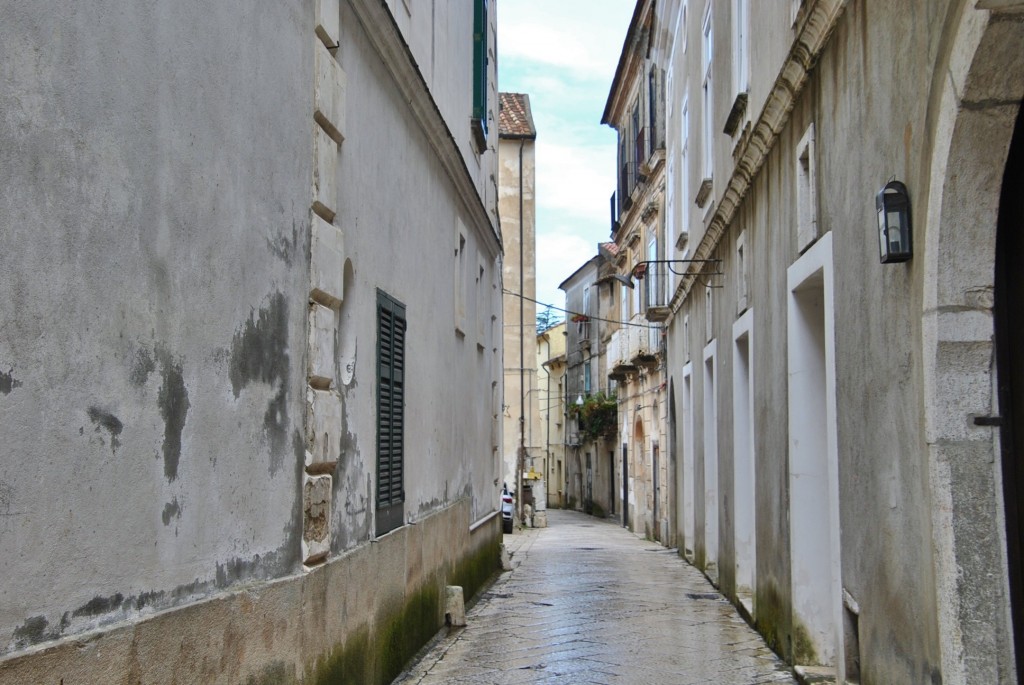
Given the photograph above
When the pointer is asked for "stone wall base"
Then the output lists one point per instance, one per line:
(358, 618)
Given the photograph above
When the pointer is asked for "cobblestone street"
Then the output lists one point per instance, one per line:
(588, 602)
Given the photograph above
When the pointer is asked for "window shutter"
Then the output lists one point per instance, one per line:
(391, 325)
(480, 62)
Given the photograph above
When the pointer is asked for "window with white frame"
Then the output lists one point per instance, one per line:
(806, 199)
(709, 313)
(682, 242)
(707, 124)
(682, 23)
(584, 324)
(741, 272)
(741, 45)
(623, 303)
(670, 201)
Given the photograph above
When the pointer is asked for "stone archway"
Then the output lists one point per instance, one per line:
(976, 97)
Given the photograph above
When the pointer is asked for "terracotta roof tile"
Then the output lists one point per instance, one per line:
(514, 118)
(613, 248)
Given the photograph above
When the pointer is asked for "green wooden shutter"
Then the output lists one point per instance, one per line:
(390, 412)
(480, 62)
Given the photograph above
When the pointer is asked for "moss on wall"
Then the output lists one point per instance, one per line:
(277, 673)
(377, 658)
(803, 647)
(376, 655)
(770, 621)
(475, 570)
(349, 662)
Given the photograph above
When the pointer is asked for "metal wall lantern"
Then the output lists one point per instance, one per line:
(893, 205)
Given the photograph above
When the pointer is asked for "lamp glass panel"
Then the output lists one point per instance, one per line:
(883, 245)
(896, 242)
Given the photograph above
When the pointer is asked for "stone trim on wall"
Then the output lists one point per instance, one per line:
(821, 19)
(326, 290)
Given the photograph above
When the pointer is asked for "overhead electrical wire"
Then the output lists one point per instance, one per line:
(506, 291)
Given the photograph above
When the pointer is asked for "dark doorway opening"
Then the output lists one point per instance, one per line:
(1009, 330)
(625, 487)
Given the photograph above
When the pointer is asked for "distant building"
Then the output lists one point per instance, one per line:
(250, 351)
(636, 354)
(522, 428)
(841, 398)
(551, 405)
(590, 452)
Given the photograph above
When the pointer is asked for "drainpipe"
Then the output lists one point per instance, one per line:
(547, 419)
(522, 362)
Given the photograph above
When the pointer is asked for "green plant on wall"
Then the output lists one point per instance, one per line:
(597, 417)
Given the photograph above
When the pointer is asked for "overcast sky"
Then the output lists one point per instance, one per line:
(563, 53)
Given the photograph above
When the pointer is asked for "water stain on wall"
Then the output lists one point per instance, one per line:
(31, 632)
(8, 383)
(171, 509)
(100, 605)
(104, 420)
(283, 248)
(174, 406)
(142, 367)
(259, 354)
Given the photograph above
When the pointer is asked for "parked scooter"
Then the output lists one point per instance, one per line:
(507, 509)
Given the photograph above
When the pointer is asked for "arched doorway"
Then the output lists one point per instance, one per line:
(976, 108)
(1009, 328)
(638, 480)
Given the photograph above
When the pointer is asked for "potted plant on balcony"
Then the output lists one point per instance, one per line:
(597, 417)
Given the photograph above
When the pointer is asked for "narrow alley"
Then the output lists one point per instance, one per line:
(588, 602)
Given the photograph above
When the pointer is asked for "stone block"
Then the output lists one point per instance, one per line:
(325, 191)
(454, 606)
(322, 336)
(316, 518)
(323, 429)
(329, 94)
(327, 264)
(328, 22)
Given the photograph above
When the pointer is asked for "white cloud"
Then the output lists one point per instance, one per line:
(584, 36)
(563, 53)
(578, 180)
(559, 254)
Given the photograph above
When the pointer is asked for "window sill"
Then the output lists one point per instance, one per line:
(479, 135)
(739, 108)
(703, 193)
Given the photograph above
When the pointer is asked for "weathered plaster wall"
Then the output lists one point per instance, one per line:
(440, 38)
(884, 385)
(516, 246)
(154, 210)
(326, 626)
(157, 170)
(403, 221)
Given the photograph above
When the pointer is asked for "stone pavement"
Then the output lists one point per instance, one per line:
(588, 602)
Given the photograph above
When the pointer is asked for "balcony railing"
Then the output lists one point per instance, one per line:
(631, 347)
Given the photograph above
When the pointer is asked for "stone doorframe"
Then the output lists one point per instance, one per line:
(975, 96)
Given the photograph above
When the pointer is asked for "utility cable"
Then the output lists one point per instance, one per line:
(589, 317)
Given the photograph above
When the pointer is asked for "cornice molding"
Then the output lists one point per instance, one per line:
(382, 32)
(820, 21)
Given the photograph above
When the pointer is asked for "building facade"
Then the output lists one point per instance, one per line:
(523, 442)
(847, 467)
(590, 463)
(636, 355)
(551, 406)
(250, 302)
